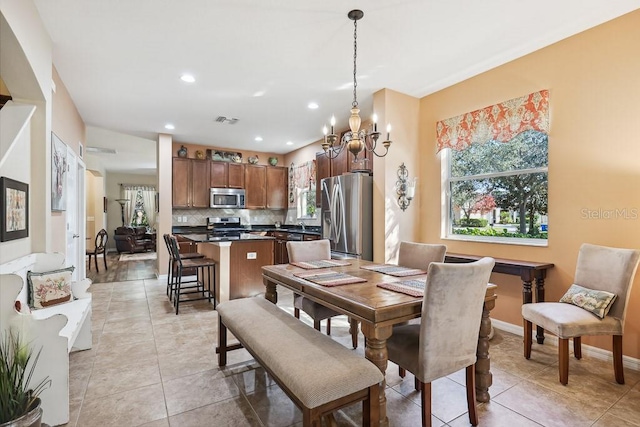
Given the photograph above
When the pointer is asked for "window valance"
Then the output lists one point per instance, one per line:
(301, 176)
(500, 122)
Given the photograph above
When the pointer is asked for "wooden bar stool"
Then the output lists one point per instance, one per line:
(173, 265)
(201, 266)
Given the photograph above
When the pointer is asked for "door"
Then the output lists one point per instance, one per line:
(75, 216)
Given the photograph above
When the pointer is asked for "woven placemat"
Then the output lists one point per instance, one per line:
(325, 263)
(394, 270)
(414, 287)
(330, 278)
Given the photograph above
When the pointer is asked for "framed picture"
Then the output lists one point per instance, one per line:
(15, 209)
(58, 174)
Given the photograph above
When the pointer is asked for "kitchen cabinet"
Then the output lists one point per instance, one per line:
(255, 180)
(323, 170)
(190, 184)
(245, 269)
(277, 186)
(280, 254)
(227, 175)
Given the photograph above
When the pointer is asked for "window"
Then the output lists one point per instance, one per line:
(306, 202)
(497, 191)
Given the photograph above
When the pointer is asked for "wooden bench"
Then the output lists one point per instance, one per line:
(527, 270)
(58, 329)
(317, 373)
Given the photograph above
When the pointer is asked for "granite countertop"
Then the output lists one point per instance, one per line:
(202, 229)
(204, 238)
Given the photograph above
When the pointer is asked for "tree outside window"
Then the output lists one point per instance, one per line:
(498, 190)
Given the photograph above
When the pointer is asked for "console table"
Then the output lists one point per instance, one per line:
(528, 272)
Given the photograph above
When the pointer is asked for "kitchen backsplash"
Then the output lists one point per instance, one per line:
(196, 217)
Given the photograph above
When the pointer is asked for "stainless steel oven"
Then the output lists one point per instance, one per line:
(227, 198)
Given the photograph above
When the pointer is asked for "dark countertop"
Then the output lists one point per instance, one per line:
(202, 229)
(207, 238)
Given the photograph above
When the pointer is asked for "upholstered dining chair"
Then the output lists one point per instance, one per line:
(599, 268)
(100, 248)
(418, 255)
(446, 340)
(315, 250)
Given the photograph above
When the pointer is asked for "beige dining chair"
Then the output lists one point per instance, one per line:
(418, 255)
(446, 340)
(598, 268)
(315, 250)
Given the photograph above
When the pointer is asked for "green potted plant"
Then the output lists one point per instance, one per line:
(19, 402)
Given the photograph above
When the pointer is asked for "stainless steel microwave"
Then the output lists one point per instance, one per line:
(228, 198)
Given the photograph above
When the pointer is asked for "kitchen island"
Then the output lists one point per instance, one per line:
(240, 260)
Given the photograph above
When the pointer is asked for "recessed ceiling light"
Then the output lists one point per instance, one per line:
(169, 126)
(258, 138)
(188, 78)
(312, 106)
(289, 143)
(259, 93)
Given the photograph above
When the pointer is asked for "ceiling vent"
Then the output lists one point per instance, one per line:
(223, 120)
(101, 150)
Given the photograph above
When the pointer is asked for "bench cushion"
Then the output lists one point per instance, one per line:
(316, 369)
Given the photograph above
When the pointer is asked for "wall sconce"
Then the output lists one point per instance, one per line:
(405, 187)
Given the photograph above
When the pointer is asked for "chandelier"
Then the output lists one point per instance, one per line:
(355, 140)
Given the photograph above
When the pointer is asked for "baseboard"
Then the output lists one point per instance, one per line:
(587, 350)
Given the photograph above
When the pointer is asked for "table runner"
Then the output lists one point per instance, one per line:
(311, 265)
(394, 270)
(414, 287)
(329, 278)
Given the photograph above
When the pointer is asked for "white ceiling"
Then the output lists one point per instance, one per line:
(122, 60)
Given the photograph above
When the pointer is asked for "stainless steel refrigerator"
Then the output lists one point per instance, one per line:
(347, 215)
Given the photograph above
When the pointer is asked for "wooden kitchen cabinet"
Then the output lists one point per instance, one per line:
(255, 180)
(277, 186)
(342, 163)
(190, 186)
(323, 170)
(227, 175)
(245, 269)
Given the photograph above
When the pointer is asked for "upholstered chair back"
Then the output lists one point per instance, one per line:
(451, 314)
(420, 255)
(312, 250)
(608, 269)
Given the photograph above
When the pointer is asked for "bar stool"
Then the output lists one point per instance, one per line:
(202, 266)
(173, 265)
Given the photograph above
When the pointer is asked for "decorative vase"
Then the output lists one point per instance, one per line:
(199, 155)
(253, 160)
(182, 152)
(33, 418)
(273, 161)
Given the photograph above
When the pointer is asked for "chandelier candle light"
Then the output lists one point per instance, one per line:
(356, 140)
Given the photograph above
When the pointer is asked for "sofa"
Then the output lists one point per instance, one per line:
(134, 239)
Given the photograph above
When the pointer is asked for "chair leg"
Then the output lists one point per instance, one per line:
(95, 259)
(471, 395)
(329, 326)
(353, 329)
(425, 397)
(527, 339)
(577, 348)
(402, 372)
(89, 262)
(296, 313)
(316, 324)
(416, 383)
(617, 359)
(222, 343)
(178, 286)
(563, 360)
(105, 259)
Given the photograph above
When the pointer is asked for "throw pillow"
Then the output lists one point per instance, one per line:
(597, 302)
(49, 288)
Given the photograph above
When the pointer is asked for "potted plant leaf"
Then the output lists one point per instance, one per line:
(19, 402)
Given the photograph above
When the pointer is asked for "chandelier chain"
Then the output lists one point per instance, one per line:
(354, 104)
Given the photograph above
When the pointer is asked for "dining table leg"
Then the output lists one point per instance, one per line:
(376, 352)
(271, 294)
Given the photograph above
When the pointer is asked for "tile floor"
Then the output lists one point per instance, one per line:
(149, 367)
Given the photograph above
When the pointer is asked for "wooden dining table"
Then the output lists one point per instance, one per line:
(377, 310)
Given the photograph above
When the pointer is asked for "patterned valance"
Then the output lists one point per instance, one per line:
(500, 122)
(301, 176)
